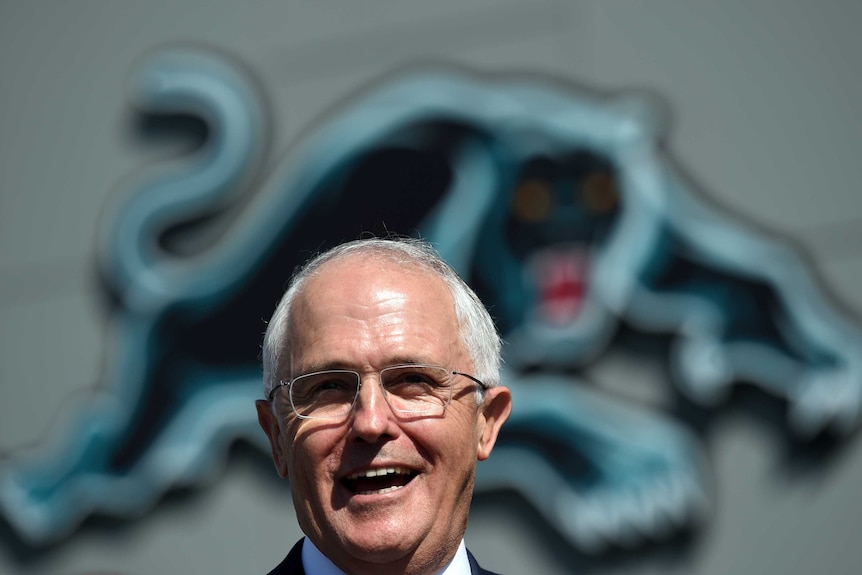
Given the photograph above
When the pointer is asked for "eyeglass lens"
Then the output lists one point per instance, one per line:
(416, 389)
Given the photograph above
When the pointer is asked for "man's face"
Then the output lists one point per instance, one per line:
(364, 315)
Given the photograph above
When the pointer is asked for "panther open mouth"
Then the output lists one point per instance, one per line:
(378, 481)
(560, 277)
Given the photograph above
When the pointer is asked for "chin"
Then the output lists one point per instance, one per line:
(382, 548)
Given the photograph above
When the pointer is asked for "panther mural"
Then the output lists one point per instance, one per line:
(556, 204)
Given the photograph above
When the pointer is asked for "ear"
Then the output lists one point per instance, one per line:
(495, 411)
(270, 424)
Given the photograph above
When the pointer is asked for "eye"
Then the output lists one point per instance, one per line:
(323, 387)
(330, 385)
(599, 192)
(532, 200)
(410, 381)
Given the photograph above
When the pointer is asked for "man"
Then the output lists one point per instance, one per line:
(381, 369)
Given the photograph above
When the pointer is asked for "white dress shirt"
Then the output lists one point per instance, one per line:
(316, 563)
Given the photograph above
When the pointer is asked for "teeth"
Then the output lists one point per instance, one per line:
(379, 472)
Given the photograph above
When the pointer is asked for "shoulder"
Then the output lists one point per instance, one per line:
(475, 569)
(292, 564)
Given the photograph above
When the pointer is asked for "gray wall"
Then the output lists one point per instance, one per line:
(762, 96)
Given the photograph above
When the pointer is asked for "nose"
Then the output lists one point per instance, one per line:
(372, 418)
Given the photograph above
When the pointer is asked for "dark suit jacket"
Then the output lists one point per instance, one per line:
(292, 564)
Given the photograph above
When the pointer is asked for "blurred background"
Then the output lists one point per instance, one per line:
(762, 100)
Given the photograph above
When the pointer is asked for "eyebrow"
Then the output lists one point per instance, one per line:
(325, 366)
(340, 364)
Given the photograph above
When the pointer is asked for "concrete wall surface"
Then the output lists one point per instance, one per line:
(762, 100)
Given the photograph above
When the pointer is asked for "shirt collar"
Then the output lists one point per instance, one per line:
(316, 563)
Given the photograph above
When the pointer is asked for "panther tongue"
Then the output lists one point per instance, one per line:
(560, 276)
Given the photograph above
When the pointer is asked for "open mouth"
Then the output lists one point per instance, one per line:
(560, 276)
(378, 481)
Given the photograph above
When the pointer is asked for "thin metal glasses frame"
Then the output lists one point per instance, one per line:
(386, 393)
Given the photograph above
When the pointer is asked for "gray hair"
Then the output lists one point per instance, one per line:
(476, 329)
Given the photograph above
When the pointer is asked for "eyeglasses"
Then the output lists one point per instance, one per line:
(408, 389)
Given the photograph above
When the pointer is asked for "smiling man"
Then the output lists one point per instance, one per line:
(381, 372)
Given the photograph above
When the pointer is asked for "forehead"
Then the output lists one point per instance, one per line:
(366, 300)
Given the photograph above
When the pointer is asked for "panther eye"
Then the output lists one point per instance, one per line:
(532, 200)
(599, 192)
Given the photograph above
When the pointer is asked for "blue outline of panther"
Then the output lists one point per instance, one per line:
(649, 474)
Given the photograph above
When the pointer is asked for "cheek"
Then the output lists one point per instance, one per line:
(456, 442)
(310, 451)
